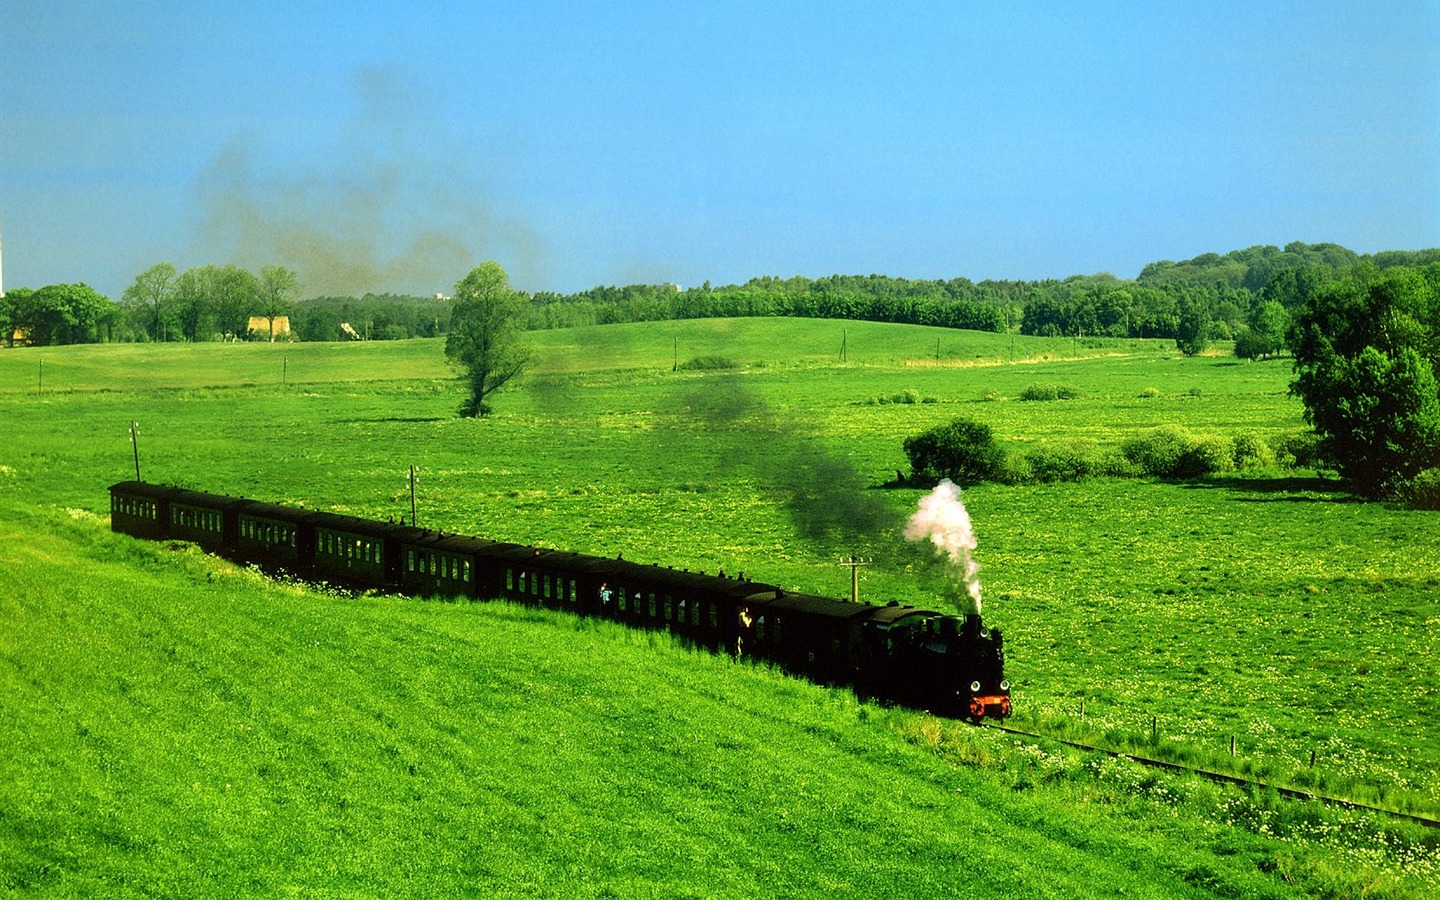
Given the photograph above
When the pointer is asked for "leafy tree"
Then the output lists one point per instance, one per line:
(151, 297)
(1193, 335)
(234, 294)
(484, 336)
(1367, 351)
(63, 314)
(1265, 331)
(275, 293)
(9, 312)
(963, 450)
(191, 297)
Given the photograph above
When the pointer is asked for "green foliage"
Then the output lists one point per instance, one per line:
(1265, 332)
(710, 363)
(1173, 452)
(1421, 491)
(484, 336)
(1366, 355)
(61, 314)
(1069, 460)
(1193, 334)
(1252, 452)
(906, 397)
(1051, 391)
(962, 450)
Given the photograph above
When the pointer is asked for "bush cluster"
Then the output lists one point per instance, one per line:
(1045, 390)
(963, 451)
(966, 452)
(1173, 452)
(906, 396)
(708, 363)
(1422, 491)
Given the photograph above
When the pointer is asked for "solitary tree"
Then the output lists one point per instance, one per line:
(484, 336)
(1367, 351)
(277, 288)
(150, 298)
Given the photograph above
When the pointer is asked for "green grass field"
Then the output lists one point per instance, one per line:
(412, 747)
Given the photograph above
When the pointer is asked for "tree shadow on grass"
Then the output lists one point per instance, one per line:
(1293, 489)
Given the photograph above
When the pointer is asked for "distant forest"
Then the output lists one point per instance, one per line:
(1215, 295)
(1245, 295)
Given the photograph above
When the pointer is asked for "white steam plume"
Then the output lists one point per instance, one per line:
(943, 520)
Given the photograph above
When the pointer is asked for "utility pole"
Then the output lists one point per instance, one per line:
(855, 562)
(413, 520)
(135, 443)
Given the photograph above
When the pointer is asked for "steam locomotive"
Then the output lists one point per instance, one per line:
(949, 665)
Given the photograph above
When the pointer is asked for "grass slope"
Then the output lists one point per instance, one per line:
(177, 727)
(1270, 609)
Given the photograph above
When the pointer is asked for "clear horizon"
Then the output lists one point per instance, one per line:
(393, 147)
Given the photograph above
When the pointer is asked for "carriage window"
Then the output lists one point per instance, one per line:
(574, 594)
(695, 614)
(621, 592)
(509, 579)
(669, 610)
(776, 634)
(714, 616)
(547, 587)
(432, 564)
(652, 606)
(410, 560)
(760, 629)
(465, 570)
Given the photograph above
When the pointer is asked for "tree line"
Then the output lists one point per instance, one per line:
(1250, 296)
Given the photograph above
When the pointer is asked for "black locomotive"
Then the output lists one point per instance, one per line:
(947, 664)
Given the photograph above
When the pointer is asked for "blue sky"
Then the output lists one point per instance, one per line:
(392, 146)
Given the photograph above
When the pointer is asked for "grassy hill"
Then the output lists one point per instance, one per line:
(182, 727)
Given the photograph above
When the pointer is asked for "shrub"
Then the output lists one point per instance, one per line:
(1251, 451)
(1150, 393)
(1207, 454)
(1157, 452)
(1298, 450)
(1422, 491)
(1172, 452)
(962, 450)
(1045, 390)
(703, 363)
(1063, 461)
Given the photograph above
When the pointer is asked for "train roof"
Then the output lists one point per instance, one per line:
(142, 489)
(823, 607)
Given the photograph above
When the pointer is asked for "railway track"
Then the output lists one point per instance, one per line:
(1222, 778)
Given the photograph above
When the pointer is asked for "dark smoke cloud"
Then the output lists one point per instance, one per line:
(831, 503)
(395, 206)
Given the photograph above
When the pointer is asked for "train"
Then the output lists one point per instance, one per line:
(946, 664)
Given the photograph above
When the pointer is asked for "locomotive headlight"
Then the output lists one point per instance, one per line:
(1004, 684)
(974, 686)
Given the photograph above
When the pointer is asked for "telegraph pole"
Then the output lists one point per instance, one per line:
(135, 443)
(413, 520)
(855, 562)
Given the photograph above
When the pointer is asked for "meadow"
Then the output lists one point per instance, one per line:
(1268, 609)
